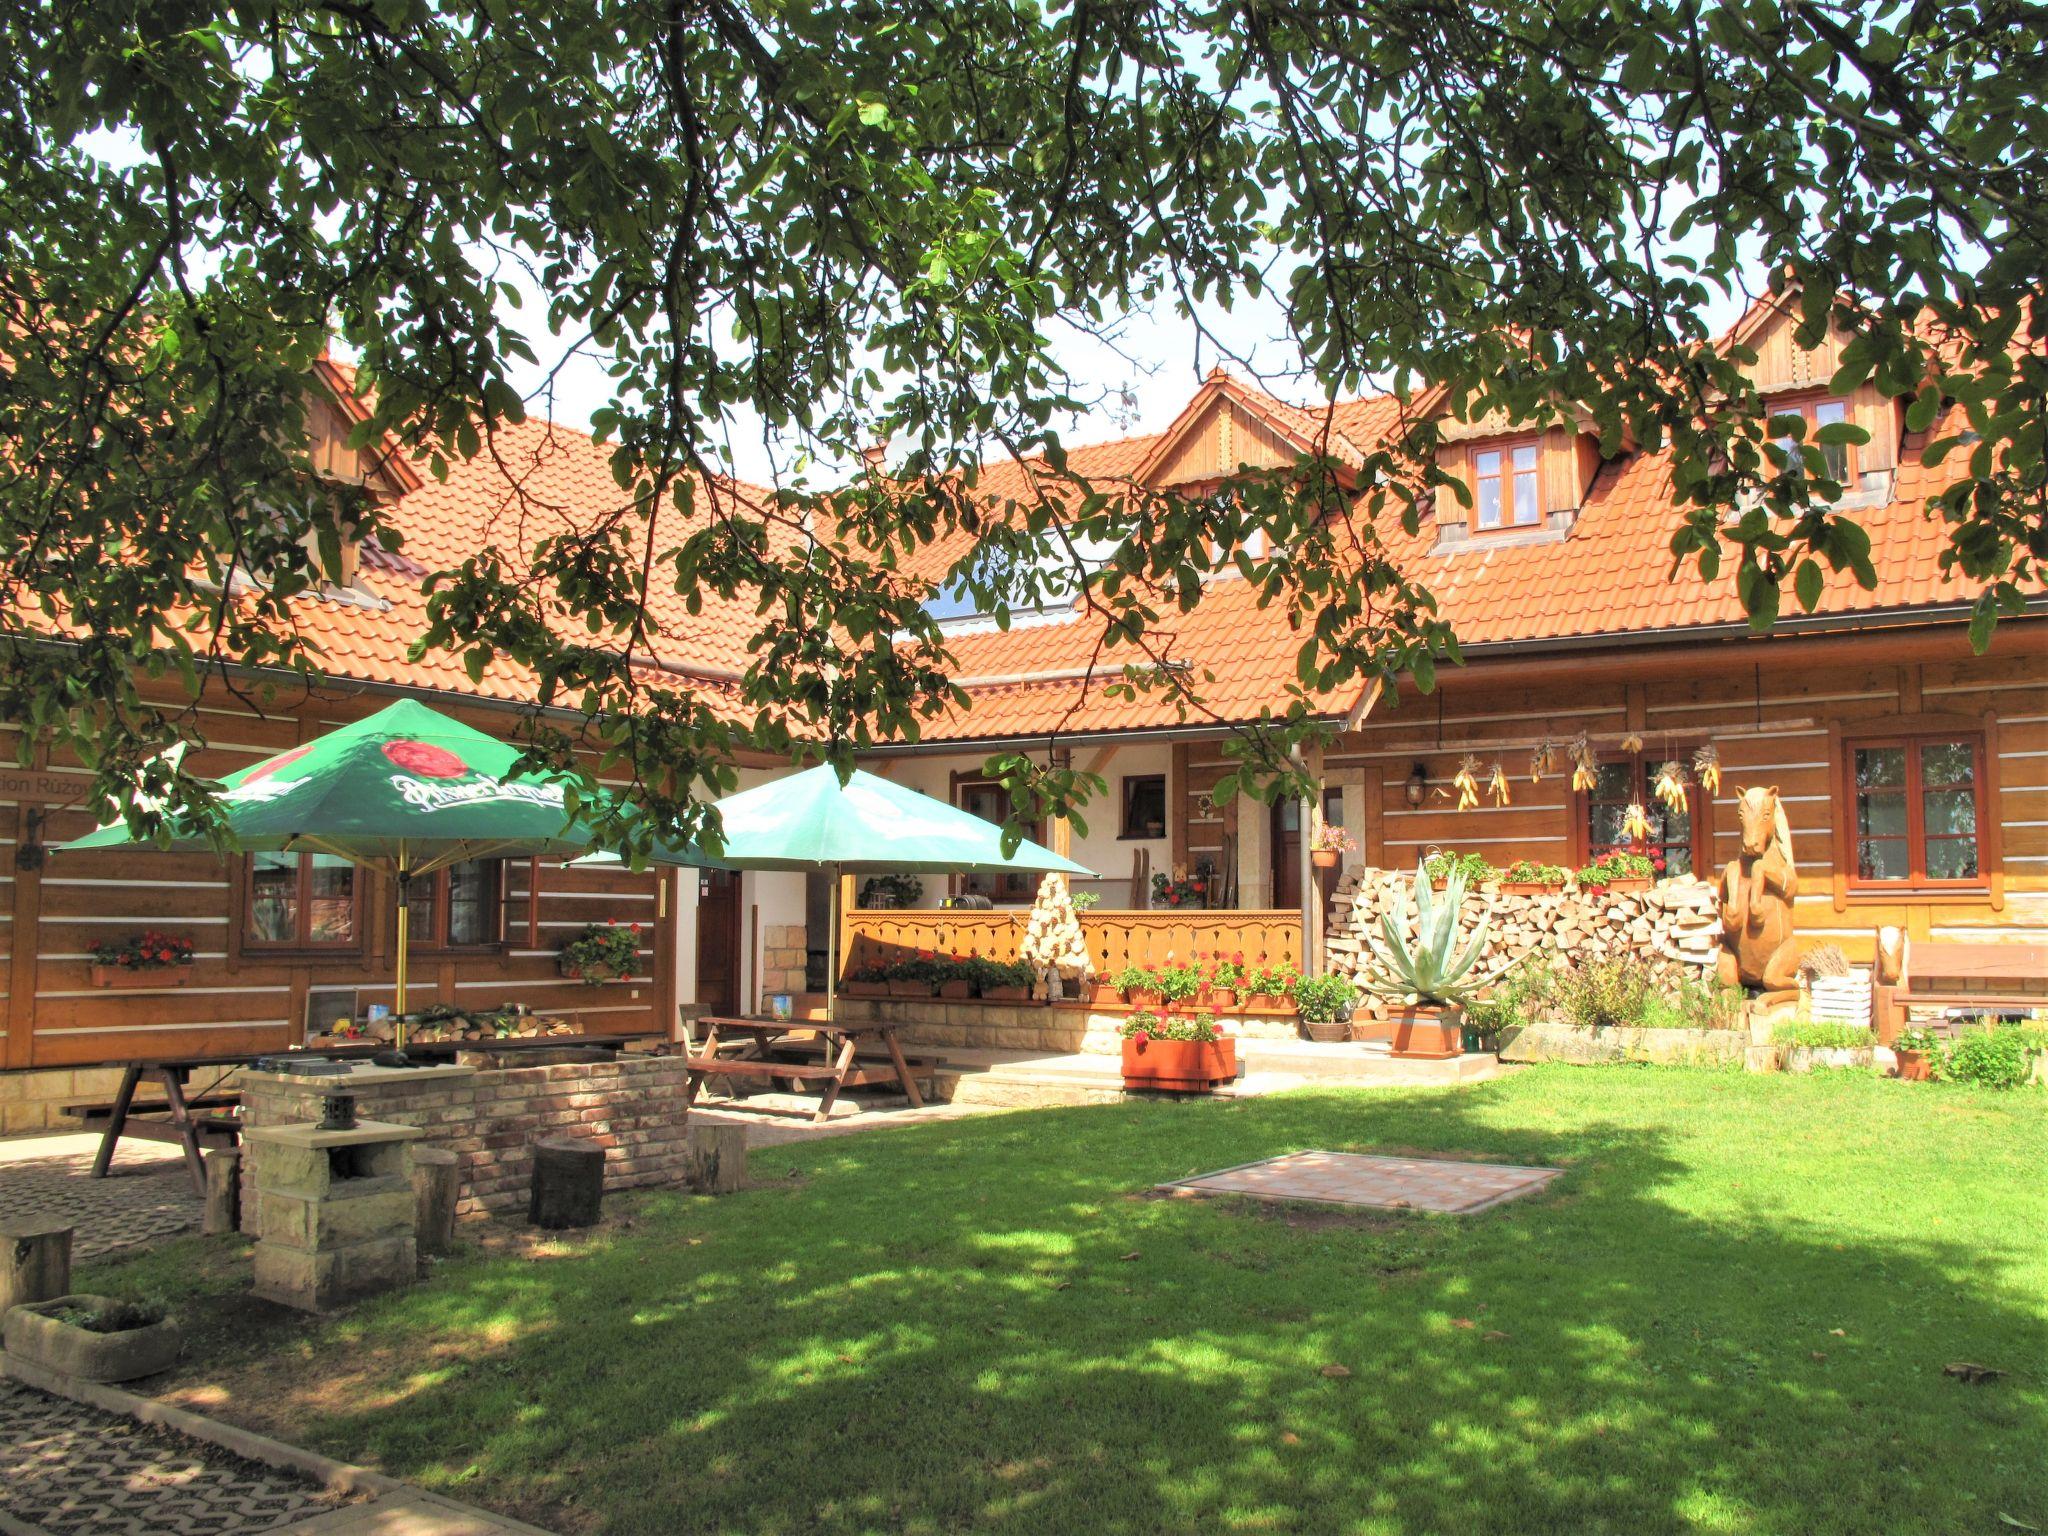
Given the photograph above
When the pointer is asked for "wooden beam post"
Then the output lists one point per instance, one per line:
(35, 1260)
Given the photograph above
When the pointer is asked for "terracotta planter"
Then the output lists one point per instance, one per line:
(1324, 858)
(1102, 995)
(1531, 887)
(960, 988)
(910, 988)
(1914, 1066)
(1006, 995)
(864, 989)
(1217, 998)
(1141, 997)
(136, 976)
(1179, 1066)
(1428, 1034)
(1363, 1028)
(1629, 887)
(1270, 1002)
(35, 1334)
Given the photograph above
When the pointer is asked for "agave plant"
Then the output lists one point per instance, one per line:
(1431, 967)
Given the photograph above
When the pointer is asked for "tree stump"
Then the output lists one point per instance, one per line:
(35, 1260)
(568, 1183)
(717, 1158)
(436, 1186)
(223, 1192)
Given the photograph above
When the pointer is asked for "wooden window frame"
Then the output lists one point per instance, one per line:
(434, 885)
(1506, 447)
(1803, 402)
(956, 884)
(1843, 740)
(1699, 805)
(1124, 832)
(243, 944)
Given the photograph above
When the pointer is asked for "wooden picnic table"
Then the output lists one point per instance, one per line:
(840, 1068)
(198, 1121)
(1993, 977)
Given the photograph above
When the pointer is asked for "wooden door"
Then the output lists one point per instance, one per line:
(718, 941)
(1286, 845)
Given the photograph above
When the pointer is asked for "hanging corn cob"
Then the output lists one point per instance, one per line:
(1497, 782)
(1467, 781)
(1670, 786)
(1635, 823)
(1706, 764)
(1584, 772)
(1632, 742)
(1543, 760)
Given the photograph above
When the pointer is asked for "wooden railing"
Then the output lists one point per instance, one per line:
(1115, 939)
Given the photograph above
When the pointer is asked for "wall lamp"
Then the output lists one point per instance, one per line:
(1418, 783)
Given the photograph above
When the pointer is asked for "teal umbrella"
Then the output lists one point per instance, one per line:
(811, 821)
(406, 791)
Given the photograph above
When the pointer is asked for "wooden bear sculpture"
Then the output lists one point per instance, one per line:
(1757, 889)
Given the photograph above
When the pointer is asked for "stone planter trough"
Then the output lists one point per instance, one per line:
(36, 1334)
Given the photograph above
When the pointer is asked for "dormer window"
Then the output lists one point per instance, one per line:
(1819, 411)
(1505, 487)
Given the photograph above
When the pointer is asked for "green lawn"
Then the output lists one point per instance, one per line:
(1731, 1315)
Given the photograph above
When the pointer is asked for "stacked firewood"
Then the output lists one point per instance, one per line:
(1676, 922)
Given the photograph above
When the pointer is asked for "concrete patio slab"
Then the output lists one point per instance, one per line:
(1387, 1183)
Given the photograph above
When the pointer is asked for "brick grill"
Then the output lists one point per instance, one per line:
(490, 1118)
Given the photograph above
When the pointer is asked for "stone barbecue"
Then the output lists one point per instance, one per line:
(334, 1211)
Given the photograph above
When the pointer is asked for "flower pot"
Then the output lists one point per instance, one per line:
(1363, 1027)
(1629, 887)
(139, 976)
(593, 972)
(1267, 1002)
(1217, 998)
(1179, 1066)
(1006, 994)
(1324, 858)
(1914, 1066)
(864, 989)
(1102, 995)
(910, 989)
(1143, 997)
(36, 1334)
(1425, 1033)
(1531, 887)
(959, 988)
(1325, 1031)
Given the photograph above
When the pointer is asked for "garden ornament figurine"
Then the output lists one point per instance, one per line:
(1758, 948)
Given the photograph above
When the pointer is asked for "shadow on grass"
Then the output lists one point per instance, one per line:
(985, 1326)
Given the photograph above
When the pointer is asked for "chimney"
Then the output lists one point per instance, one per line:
(875, 453)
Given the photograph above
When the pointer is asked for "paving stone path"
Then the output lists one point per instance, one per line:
(1357, 1178)
(70, 1470)
(145, 1198)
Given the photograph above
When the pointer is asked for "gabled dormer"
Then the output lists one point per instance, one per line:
(1523, 483)
(1795, 380)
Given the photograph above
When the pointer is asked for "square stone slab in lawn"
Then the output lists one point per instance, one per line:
(1357, 1178)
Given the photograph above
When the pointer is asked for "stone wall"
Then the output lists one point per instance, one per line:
(490, 1117)
(32, 1100)
(1676, 922)
(782, 960)
(1061, 1028)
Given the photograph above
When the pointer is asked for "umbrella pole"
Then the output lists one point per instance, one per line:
(832, 952)
(404, 932)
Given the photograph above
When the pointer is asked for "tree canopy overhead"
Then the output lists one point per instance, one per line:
(861, 220)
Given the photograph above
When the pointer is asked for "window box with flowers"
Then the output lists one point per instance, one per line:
(1267, 988)
(1619, 871)
(866, 981)
(1328, 845)
(1176, 1053)
(1191, 890)
(1527, 878)
(1001, 981)
(601, 952)
(148, 959)
(1149, 986)
(1220, 975)
(918, 975)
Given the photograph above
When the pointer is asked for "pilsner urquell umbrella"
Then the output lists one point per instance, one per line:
(406, 791)
(810, 821)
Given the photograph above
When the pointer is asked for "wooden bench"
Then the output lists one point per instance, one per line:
(1991, 978)
(839, 1066)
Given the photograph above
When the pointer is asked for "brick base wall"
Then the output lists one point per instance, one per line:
(490, 1118)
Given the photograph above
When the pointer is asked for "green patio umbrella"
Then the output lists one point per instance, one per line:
(406, 791)
(811, 821)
